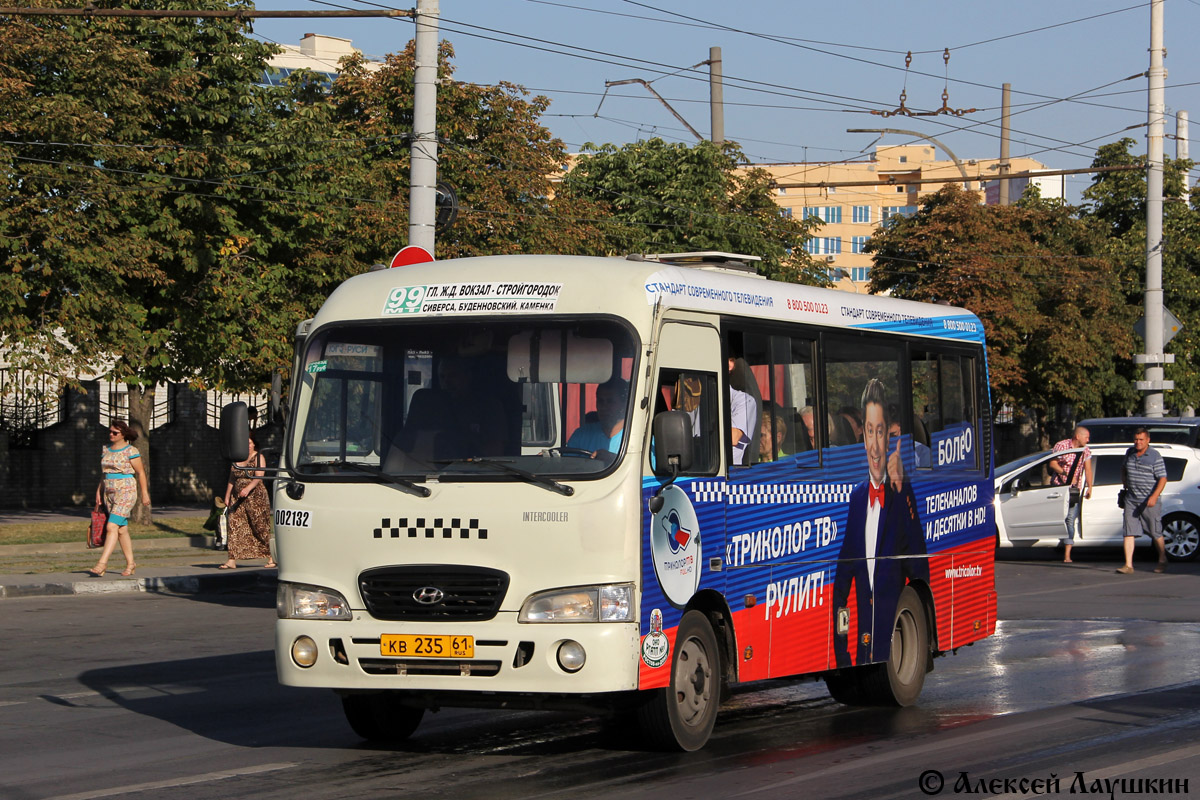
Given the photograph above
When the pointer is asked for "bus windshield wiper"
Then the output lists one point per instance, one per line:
(504, 466)
(378, 474)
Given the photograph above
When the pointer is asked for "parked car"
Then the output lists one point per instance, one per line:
(1162, 430)
(1030, 511)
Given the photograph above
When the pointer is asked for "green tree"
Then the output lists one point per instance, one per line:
(167, 219)
(679, 198)
(493, 150)
(127, 185)
(1116, 206)
(1051, 305)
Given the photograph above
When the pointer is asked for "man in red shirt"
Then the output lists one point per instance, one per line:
(1081, 482)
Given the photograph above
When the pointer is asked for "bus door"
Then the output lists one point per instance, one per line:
(683, 543)
(779, 529)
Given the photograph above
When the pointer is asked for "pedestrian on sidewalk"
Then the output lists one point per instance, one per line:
(1081, 482)
(1144, 475)
(249, 509)
(121, 465)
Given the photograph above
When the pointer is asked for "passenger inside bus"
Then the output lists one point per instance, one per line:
(691, 393)
(806, 431)
(850, 426)
(456, 418)
(745, 410)
(772, 434)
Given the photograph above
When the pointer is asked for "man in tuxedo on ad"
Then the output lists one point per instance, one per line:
(882, 528)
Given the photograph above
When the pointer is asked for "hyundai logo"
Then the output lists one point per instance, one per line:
(429, 595)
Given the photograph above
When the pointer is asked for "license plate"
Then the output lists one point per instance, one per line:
(414, 646)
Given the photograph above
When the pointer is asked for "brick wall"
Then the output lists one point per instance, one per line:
(63, 466)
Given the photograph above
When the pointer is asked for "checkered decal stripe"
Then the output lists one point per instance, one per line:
(431, 528)
(708, 491)
(771, 493)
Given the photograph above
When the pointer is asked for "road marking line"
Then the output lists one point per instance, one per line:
(169, 784)
(1171, 756)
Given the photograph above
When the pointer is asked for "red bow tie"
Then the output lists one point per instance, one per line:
(875, 494)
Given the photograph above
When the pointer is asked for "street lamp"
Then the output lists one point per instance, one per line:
(962, 171)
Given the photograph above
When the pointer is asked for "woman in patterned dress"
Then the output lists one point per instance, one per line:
(121, 464)
(249, 515)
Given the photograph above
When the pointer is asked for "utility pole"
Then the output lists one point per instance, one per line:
(716, 96)
(1003, 166)
(422, 189)
(1181, 147)
(1154, 385)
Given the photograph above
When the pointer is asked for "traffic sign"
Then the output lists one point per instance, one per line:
(1171, 326)
(413, 254)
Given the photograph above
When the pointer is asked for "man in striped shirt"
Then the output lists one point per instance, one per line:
(1144, 475)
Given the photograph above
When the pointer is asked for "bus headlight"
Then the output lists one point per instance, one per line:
(612, 603)
(297, 601)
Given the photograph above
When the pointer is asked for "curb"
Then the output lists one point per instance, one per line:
(181, 584)
(200, 542)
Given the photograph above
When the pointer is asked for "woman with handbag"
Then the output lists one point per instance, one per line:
(121, 464)
(248, 510)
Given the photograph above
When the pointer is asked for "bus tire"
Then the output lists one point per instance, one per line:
(846, 686)
(898, 681)
(681, 716)
(381, 717)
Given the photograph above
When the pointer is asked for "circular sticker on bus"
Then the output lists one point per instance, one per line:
(655, 645)
(675, 546)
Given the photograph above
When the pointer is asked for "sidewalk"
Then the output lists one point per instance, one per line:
(9, 516)
(172, 565)
(187, 579)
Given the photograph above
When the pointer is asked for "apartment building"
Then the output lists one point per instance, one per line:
(317, 52)
(851, 211)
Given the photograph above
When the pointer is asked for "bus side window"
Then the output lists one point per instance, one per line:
(694, 393)
(778, 374)
(944, 411)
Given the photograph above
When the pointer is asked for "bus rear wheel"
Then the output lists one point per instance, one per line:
(381, 717)
(899, 680)
(681, 716)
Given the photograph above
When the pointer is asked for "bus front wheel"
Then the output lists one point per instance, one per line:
(681, 716)
(381, 717)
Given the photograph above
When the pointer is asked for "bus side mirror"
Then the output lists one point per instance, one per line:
(673, 441)
(235, 432)
(671, 434)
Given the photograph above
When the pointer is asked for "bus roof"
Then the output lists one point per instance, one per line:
(542, 284)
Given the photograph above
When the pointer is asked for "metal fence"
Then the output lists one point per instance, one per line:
(258, 404)
(114, 403)
(29, 402)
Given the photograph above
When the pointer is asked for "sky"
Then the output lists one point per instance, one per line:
(799, 73)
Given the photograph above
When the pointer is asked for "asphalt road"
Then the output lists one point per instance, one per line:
(144, 695)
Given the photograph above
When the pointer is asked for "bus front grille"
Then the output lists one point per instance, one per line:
(433, 593)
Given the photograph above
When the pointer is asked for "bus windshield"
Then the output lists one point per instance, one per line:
(452, 400)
